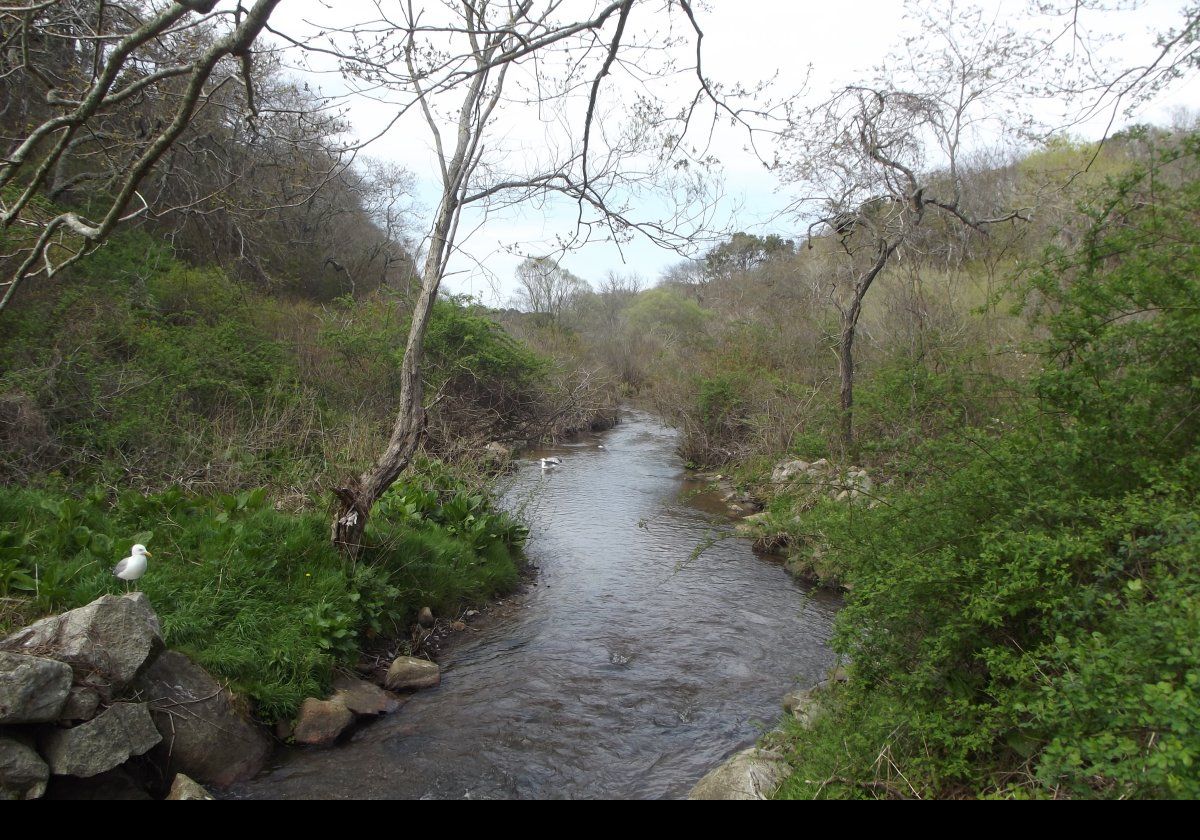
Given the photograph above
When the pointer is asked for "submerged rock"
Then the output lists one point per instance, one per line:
(203, 734)
(23, 774)
(107, 642)
(408, 673)
(122, 731)
(362, 697)
(320, 722)
(32, 689)
(751, 774)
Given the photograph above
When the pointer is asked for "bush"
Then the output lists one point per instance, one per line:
(1026, 624)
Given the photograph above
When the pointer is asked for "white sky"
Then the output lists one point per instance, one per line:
(746, 41)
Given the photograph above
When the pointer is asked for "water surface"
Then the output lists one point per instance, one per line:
(629, 669)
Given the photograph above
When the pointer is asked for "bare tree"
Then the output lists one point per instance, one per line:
(545, 288)
(879, 161)
(92, 62)
(460, 68)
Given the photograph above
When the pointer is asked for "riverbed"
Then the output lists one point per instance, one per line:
(631, 665)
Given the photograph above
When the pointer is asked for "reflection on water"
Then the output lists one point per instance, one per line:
(629, 670)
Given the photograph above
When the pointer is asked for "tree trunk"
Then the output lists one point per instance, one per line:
(358, 495)
(846, 375)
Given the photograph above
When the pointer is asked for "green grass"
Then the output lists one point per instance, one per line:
(255, 595)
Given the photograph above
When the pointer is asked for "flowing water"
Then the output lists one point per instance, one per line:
(629, 670)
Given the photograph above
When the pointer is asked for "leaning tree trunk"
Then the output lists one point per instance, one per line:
(358, 495)
(849, 328)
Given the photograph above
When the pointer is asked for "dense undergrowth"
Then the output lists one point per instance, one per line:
(1024, 622)
(143, 399)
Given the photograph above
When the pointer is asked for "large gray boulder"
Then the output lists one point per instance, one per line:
(109, 740)
(107, 642)
(32, 689)
(751, 774)
(203, 733)
(23, 774)
(407, 673)
(320, 722)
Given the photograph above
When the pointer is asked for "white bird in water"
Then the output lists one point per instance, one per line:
(550, 463)
(133, 566)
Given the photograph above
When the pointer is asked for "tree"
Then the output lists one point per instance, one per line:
(880, 160)
(546, 288)
(744, 252)
(461, 67)
(95, 65)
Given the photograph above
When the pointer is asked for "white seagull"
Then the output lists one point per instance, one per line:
(550, 463)
(133, 566)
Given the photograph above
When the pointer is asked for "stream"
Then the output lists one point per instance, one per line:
(627, 669)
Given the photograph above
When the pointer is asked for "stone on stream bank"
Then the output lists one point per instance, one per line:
(32, 689)
(84, 694)
(408, 673)
(106, 643)
(320, 722)
(751, 774)
(362, 697)
(204, 735)
(184, 789)
(23, 774)
(103, 743)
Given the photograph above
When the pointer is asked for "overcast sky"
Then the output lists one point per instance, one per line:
(801, 45)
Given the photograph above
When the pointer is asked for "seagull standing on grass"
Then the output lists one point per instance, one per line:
(133, 566)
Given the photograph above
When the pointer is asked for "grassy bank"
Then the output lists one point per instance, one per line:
(1022, 620)
(257, 595)
(144, 399)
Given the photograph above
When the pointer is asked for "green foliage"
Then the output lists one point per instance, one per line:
(257, 596)
(1026, 624)
(467, 349)
(668, 314)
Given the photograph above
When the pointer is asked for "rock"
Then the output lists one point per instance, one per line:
(751, 774)
(23, 774)
(204, 735)
(32, 689)
(788, 470)
(838, 674)
(184, 789)
(284, 729)
(321, 722)
(497, 452)
(107, 642)
(82, 704)
(362, 697)
(107, 741)
(408, 674)
(803, 706)
(425, 617)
